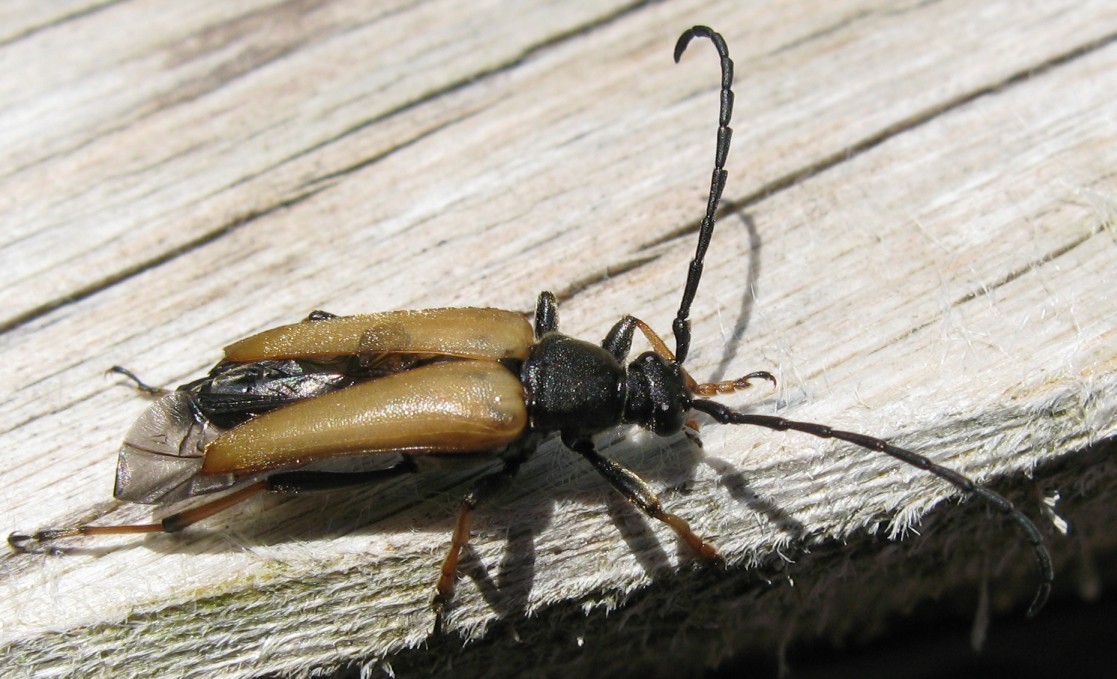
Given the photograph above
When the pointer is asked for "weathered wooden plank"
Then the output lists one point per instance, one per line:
(919, 236)
(123, 147)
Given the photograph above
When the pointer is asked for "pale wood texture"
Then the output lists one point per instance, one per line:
(919, 242)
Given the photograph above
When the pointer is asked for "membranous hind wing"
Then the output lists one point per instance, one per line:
(162, 452)
(233, 392)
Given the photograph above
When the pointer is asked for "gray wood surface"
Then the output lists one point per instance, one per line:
(918, 241)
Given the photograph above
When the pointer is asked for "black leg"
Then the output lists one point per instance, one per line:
(546, 315)
(619, 340)
(140, 384)
(293, 483)
(639, 494)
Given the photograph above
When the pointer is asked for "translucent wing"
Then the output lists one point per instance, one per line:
(162, 453)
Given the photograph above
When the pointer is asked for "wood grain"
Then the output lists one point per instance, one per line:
(918, 237)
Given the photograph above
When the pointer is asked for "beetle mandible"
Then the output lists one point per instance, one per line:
(408, 384)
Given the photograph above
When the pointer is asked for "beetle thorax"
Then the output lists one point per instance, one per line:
(573, 386)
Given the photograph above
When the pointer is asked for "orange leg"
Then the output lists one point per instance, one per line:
(620, 338)
(448, 576)
(171, 524)
(289, 483)
(730, 386)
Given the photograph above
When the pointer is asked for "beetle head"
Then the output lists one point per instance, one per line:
(657, 394)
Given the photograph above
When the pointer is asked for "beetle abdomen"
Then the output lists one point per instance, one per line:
(492, 334)
(452, 406)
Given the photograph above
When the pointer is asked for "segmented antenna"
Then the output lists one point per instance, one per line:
(681, 326)
(995, 500)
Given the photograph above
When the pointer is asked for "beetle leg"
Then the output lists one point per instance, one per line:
(730, 386)
(448, 577)
(619, 340)
(287, 483)
(171, 524)
(546, 315)
(658, 345)
(140, 384)
(293, 483)
(636, 491)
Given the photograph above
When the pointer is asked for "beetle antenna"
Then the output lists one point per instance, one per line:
(681, 326)
(963, 483)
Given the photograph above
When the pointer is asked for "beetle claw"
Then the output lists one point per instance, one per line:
(18, 542)
(21, 543)
(439, 606)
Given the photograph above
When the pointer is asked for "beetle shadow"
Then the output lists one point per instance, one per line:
(428, 502)
(748, 300)
(737, 485)
(731, 478)
(676, 468)
(675, 463)
(508, 593)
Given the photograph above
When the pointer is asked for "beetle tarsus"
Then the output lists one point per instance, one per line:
(139, 384)
(18, 541)
(21, 542)
(730, 386)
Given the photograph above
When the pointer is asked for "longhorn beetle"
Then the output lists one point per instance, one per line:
(405, 385)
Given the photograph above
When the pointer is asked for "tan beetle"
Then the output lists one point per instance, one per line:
(405, 384)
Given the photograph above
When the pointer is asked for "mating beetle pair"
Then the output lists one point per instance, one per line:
(403, 385)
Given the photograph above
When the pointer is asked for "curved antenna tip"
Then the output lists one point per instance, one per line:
(700, 32)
